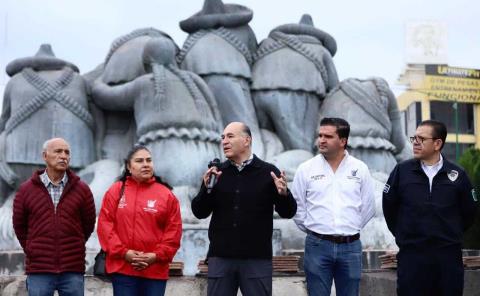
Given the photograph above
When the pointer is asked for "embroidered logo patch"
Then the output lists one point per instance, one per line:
(354, 175)
(386, 188)
(474, 195)
(123, 202)
(453, 175)
(150, 206)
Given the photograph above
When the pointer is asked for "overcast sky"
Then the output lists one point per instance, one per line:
(370, 34)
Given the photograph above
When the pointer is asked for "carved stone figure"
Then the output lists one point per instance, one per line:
(176, 115)
(45, 98)
(219, 49)
(376, 134)
(292, 73)
(123, 63)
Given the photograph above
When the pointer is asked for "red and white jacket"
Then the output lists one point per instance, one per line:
(146, 218)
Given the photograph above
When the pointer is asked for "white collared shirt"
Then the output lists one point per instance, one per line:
(432, 170)
(339, 203)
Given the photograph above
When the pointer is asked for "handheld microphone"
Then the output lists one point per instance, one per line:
(213, 178)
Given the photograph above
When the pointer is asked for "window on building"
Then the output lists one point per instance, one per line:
(445, 112)
(449, 150)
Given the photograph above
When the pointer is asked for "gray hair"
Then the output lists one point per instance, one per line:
(47, 143)
(246, 130)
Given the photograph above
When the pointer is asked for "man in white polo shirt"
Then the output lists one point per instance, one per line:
(335, 200)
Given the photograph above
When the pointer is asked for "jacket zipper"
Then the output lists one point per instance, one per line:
(134, 215)
(57, 257)
(55, 225)
(428, 185)
(431, 189)
(55, 219)
(57, 260)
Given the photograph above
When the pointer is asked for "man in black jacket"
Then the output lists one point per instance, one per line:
(428, 203)
(241, 204)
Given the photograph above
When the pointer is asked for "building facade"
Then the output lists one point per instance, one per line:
(445, 93)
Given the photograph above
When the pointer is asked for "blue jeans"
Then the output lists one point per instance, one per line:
(66, 283)
(126, 285)
(325, 261)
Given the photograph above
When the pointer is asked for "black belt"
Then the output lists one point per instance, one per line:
(338, 239)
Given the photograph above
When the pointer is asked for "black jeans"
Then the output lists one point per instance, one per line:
(252, 276)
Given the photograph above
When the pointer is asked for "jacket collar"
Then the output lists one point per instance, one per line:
(46, 179)
(72, 177)
(72, 180)
(131, 180)
(447, 165)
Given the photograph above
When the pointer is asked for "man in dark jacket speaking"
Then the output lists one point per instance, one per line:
(53, 217)
(242, 203)
(428, 203)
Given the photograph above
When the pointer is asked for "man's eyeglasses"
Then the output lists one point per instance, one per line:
(419, 139)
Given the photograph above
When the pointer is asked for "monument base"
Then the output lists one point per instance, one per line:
(373, 283)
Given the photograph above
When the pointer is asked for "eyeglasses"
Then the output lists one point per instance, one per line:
(419, 139)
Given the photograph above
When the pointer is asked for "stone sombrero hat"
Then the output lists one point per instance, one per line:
(305, 27)
(215, 14)
(44, 59)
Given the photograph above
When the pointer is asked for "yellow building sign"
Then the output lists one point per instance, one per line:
(451, 83)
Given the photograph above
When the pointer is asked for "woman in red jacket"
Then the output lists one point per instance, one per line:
(139, 227)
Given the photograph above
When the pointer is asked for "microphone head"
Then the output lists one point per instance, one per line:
(214, 163)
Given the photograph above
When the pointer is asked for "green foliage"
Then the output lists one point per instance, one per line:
(470, 161)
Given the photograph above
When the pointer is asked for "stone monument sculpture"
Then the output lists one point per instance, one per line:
(45, 98)
(376, 134)
(175, 112)
(292, 72)
(176, 102)
(123, 63)
(219, 48)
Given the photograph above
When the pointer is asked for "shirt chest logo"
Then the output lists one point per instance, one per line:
(122, 203)
(317, 177)
(354, 175)
(150, 206)
(452, 175)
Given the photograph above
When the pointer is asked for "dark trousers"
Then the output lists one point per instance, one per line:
(252, 276)
(430, 272)
(126, 285)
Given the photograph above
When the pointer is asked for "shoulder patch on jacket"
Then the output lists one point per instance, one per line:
(452, 175)
(386, 188)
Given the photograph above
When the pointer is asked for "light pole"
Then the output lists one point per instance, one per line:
(457, 148)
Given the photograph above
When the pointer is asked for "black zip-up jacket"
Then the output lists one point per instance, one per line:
(421, 219)
(242, 204)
